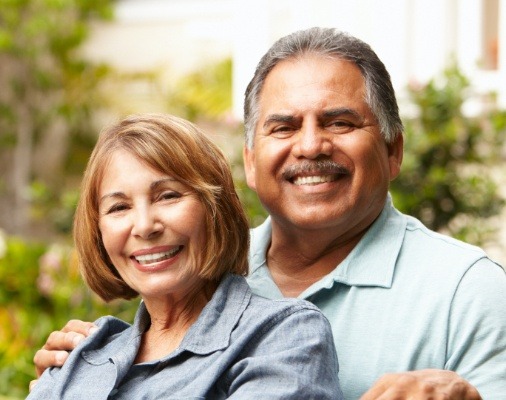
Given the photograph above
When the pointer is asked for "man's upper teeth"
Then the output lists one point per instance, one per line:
(307, 180)
(155, 257)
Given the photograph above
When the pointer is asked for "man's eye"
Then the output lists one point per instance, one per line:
(341, 123)
(282, 128)
(282, 131)
(340, 126)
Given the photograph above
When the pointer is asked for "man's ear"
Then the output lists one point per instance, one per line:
(249, 167)
(395, 154)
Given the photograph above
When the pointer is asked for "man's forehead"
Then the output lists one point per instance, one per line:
(333, 92)
(312, 73)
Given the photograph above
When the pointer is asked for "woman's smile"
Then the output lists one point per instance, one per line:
(153, 258)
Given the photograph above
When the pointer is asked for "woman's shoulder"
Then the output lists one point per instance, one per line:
(261, 311)
(288, 312)
(286, 304)
(110, 325)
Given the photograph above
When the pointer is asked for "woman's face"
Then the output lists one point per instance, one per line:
(152, 226)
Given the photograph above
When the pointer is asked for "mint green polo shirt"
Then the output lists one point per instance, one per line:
(407, 298)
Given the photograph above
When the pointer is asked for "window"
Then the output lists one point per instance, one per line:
(490, 34)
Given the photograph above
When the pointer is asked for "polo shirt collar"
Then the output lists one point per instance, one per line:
(370, 263)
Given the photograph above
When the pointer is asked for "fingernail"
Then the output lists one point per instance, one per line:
(60, 357)
(92, 330)
(77, 339)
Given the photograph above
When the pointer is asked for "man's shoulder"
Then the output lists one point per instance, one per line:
(440, 252)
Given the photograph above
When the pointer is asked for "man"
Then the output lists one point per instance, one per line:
(323, 141)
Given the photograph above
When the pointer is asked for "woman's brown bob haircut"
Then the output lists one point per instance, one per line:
(177, 148)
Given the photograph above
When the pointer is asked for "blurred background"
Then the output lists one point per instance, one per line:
(69, 67)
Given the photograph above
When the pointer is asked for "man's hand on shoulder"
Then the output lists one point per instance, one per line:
(424, 384)
(55, 351)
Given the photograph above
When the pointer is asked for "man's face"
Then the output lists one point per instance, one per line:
(318, 159)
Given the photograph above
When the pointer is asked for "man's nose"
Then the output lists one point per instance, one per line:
(312, 142)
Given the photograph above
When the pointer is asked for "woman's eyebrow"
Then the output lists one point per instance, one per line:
(111, 195)
(156, 184)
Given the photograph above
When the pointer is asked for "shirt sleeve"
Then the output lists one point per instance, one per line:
(477, 329)
(44, 387)
(293, 358)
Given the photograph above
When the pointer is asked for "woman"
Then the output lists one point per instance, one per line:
(159, 217)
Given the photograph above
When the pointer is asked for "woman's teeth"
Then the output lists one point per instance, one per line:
(156, 257)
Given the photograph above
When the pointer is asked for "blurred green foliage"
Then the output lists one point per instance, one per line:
(41, 290)
(49, 92)
(206, 93)
(446, 179)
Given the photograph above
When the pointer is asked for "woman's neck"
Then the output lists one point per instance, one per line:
(170, 321)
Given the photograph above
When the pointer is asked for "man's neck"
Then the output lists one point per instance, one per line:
(297, 261)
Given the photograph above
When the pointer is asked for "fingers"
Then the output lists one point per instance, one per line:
(59, 340)
(78, 326)
(32, 385)
(59, 343)
(423, 384)
(48, 358)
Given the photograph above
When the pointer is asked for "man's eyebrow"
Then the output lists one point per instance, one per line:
(338, 112)
(276, 118)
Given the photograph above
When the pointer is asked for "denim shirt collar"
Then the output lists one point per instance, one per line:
(370, 263)
(217, 321)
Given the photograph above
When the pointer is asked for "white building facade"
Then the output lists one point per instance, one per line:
(416, 39)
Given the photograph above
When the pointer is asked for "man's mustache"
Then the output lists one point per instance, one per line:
(320, 167)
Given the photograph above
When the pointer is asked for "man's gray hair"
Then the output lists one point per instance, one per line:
(379, 92)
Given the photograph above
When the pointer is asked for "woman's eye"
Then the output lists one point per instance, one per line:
(169, 195)
(116, 208)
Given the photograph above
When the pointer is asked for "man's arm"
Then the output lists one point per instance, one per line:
(476, 346)
(424, 384)
(55, 351)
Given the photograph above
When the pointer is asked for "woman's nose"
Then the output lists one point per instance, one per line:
(146, 224)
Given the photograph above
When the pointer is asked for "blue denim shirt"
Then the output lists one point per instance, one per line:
(242, 346)
(407, 298)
